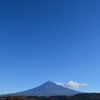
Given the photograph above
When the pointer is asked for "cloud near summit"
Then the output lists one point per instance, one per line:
(75, 84)
(71, 84)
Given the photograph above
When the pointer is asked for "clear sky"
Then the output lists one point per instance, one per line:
(57, 40)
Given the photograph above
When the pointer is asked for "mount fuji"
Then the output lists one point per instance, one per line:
(48, 89)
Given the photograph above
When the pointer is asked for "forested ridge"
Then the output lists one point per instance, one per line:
(83, 96)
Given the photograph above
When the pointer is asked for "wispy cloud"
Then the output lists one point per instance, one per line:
(71, 84)
(75, 84)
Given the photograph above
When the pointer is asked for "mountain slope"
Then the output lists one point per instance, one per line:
(48, 89)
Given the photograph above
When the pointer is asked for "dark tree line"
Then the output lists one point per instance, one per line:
(84, 96)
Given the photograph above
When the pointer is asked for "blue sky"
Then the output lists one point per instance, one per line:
(57, 40)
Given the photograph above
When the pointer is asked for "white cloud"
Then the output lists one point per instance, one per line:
(58, 83)
(71, 84)
(75, 84)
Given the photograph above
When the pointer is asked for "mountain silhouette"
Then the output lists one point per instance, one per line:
(48, 89)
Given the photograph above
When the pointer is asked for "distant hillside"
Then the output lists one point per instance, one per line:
(88, 96)
(84, 96)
